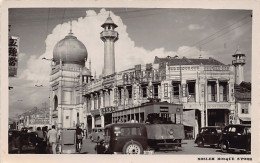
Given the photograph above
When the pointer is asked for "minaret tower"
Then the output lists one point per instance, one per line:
(239, 63)
(109, 37)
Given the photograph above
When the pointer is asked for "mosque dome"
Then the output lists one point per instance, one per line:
(70, 50)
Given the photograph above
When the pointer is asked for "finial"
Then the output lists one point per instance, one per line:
(200, 52)
(71, 27)
(238, 48)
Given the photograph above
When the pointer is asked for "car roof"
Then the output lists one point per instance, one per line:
(239, 125)
(211, 127)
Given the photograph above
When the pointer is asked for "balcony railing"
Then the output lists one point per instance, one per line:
(239, 61)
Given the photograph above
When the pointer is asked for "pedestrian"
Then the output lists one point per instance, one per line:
(79, 136)
(44, 142)
(52, 136)
(39, 140)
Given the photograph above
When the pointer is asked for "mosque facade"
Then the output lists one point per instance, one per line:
(205, 87)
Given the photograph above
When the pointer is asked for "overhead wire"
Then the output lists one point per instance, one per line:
(199, 43)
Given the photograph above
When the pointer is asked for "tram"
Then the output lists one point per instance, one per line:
(163, 122)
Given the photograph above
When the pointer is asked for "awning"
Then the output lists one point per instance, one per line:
(245, 118)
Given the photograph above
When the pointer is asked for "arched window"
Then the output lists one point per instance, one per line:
(55, 102)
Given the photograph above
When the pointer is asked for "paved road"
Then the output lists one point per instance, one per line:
(189, 148)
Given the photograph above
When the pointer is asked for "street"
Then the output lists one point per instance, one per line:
(189, 148)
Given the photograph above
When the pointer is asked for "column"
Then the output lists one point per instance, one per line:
(101, 99)
(202, 118)
(93, 121)
(102, 120)
(59, 117)
(197, 92)
(217, 82)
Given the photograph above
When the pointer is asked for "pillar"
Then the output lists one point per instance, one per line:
(202, 118)
(217, 82)
(102, 120)
(197, 93)
(93, 121)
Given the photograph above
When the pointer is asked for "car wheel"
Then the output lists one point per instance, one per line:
(224, 146)
(200, 143)
(133, 147)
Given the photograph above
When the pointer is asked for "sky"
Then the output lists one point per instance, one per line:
(143, 34)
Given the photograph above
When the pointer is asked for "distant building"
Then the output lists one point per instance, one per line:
(33, 118)
(243, 103)
(204, 86)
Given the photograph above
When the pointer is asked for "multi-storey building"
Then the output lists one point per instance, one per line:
(33, 118)
(205, 87)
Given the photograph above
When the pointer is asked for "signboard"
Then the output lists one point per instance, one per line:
(13, 50)
(108, 109)
(218, 106)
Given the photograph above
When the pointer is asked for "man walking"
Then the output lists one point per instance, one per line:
(52, 137)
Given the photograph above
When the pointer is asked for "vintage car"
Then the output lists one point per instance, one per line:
(97, 134)
(236, 137)
(126, 138)
(208, 136)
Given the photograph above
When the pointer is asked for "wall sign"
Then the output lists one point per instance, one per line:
(13, 55)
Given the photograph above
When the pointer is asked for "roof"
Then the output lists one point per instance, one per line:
(243, 91)
(187, 61)
(109, 21)
(238, 52)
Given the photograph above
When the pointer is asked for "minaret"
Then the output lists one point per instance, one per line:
(239, 63)
(109, 37)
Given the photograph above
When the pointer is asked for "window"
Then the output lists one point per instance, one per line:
(232, 129)
(212, 91)
(127, 131)
(155, 90)
(129, 89)
(223, 91)
(191, 90)
(244, 108)
(176, 88)
(144, 91)
(67, 117)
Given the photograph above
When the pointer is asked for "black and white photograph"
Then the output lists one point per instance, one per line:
(109, 81)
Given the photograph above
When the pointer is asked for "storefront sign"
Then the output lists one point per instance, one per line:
(164, 109)
(218, 106)
(108, 110)
(13, 55)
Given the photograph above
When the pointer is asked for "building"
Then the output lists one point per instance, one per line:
(243, 103)
(205, 87)
(33, 118)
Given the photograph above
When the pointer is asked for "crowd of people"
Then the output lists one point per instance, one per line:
(43, 139)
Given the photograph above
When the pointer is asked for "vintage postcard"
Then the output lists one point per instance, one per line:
(103, 80)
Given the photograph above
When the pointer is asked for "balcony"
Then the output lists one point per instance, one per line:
(108, 34)
(238, 61)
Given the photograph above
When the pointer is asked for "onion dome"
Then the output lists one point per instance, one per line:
(70, 50)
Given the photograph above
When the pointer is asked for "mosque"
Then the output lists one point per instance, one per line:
(205, 87)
